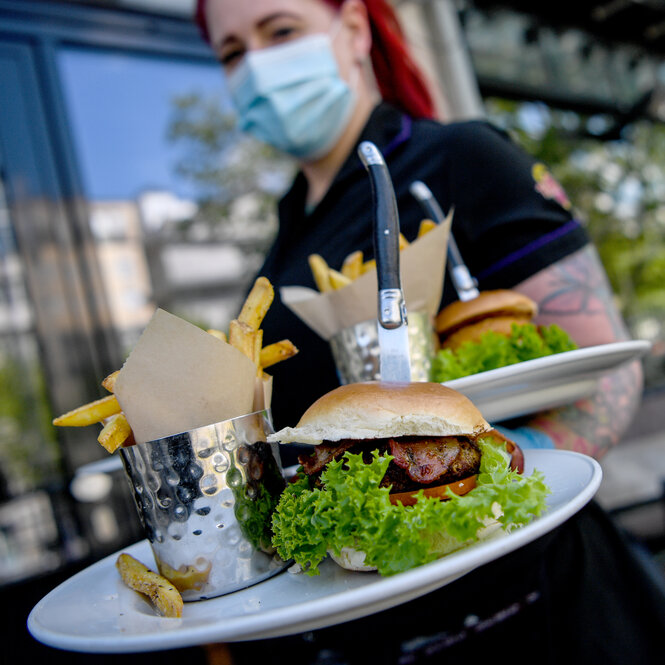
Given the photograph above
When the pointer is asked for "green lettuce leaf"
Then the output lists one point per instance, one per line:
(526, 342)
(351, 510)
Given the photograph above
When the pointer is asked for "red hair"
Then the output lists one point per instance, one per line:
(399, 79)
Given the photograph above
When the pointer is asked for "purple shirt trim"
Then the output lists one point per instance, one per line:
(527, 249)
(404, 134)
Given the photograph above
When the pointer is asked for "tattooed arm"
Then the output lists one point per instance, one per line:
(575, 294)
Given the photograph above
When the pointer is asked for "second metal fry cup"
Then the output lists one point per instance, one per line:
(205, 498)
(356, 350)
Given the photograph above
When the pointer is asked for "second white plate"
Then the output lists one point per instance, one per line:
(545, 383)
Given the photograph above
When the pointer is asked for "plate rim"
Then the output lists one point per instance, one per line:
(277, 620)
(639, 347)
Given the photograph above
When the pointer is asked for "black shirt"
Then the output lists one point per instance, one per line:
(579, 594)
(506, 229)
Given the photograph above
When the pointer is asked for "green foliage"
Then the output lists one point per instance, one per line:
(228, 167)
(617, 188)
(28, 452)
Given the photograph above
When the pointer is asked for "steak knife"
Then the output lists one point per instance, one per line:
(465, 285)
(393, 333)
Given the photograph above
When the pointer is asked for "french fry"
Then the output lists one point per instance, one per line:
(256, 355)
(219, 334)
(352, 265)
(403, 242)
(257, 303)
(337, 279)
(368, 265)
(243, 337)
(186, 577)
(88, 414)
(165, 597)
(245, 334)
(115, 432)
(320, 271)
(426, 225)
(276, 352)
(109, 381)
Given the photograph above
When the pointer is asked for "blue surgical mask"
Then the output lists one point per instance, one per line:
(292, 97)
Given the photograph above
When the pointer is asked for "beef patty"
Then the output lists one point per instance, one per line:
(417, 460)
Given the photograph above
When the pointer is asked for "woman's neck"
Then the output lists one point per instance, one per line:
(321, 172)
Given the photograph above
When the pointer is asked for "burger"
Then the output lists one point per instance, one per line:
(398, 475)
(493, 330)
(468, 321)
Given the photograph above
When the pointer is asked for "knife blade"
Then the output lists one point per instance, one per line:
(465, 285)
(393, 333)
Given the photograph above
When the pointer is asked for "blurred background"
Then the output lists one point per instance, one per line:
(124, 186)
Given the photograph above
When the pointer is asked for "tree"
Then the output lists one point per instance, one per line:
(240, 179)
(618, 191)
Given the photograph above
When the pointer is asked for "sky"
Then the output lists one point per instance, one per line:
(120, 106)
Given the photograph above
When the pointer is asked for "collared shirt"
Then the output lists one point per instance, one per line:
(511, 219)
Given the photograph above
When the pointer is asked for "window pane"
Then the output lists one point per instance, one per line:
(144, 204)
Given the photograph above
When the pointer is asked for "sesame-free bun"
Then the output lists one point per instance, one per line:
(503, 325)
(351, 559)
(375, 410)
(466, 321)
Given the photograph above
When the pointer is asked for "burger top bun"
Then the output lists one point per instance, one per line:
(375, 410)
(468, 321)
(502, 302)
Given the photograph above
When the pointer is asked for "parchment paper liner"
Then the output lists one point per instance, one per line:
(422, 267)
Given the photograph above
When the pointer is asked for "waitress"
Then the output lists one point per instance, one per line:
(313, 78)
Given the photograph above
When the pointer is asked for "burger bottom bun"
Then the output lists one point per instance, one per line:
(351, 560)
(473, 332)
(354, 560)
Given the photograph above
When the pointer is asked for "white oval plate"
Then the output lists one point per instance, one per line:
(95, 612)
(545, 383)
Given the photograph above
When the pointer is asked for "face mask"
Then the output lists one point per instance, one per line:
(292, 97)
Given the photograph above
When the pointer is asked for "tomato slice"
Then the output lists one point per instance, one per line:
(458, 487)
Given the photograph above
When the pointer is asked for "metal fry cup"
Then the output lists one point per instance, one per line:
(356, 349)
(205, 498)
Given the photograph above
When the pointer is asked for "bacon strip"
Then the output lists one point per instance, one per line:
(323, 454)
(427, 460)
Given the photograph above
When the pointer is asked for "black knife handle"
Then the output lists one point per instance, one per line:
(386, 220)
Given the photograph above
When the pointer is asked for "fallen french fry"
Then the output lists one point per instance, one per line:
(257, 303)
(88, 414)
(337, 279)
(243, 338)
(276, 352)
(115, 432)
(109, 381)
(219, 334)
(320, 271)
(186, 577)
(165, 597)
(352, 265)
(426, 225)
